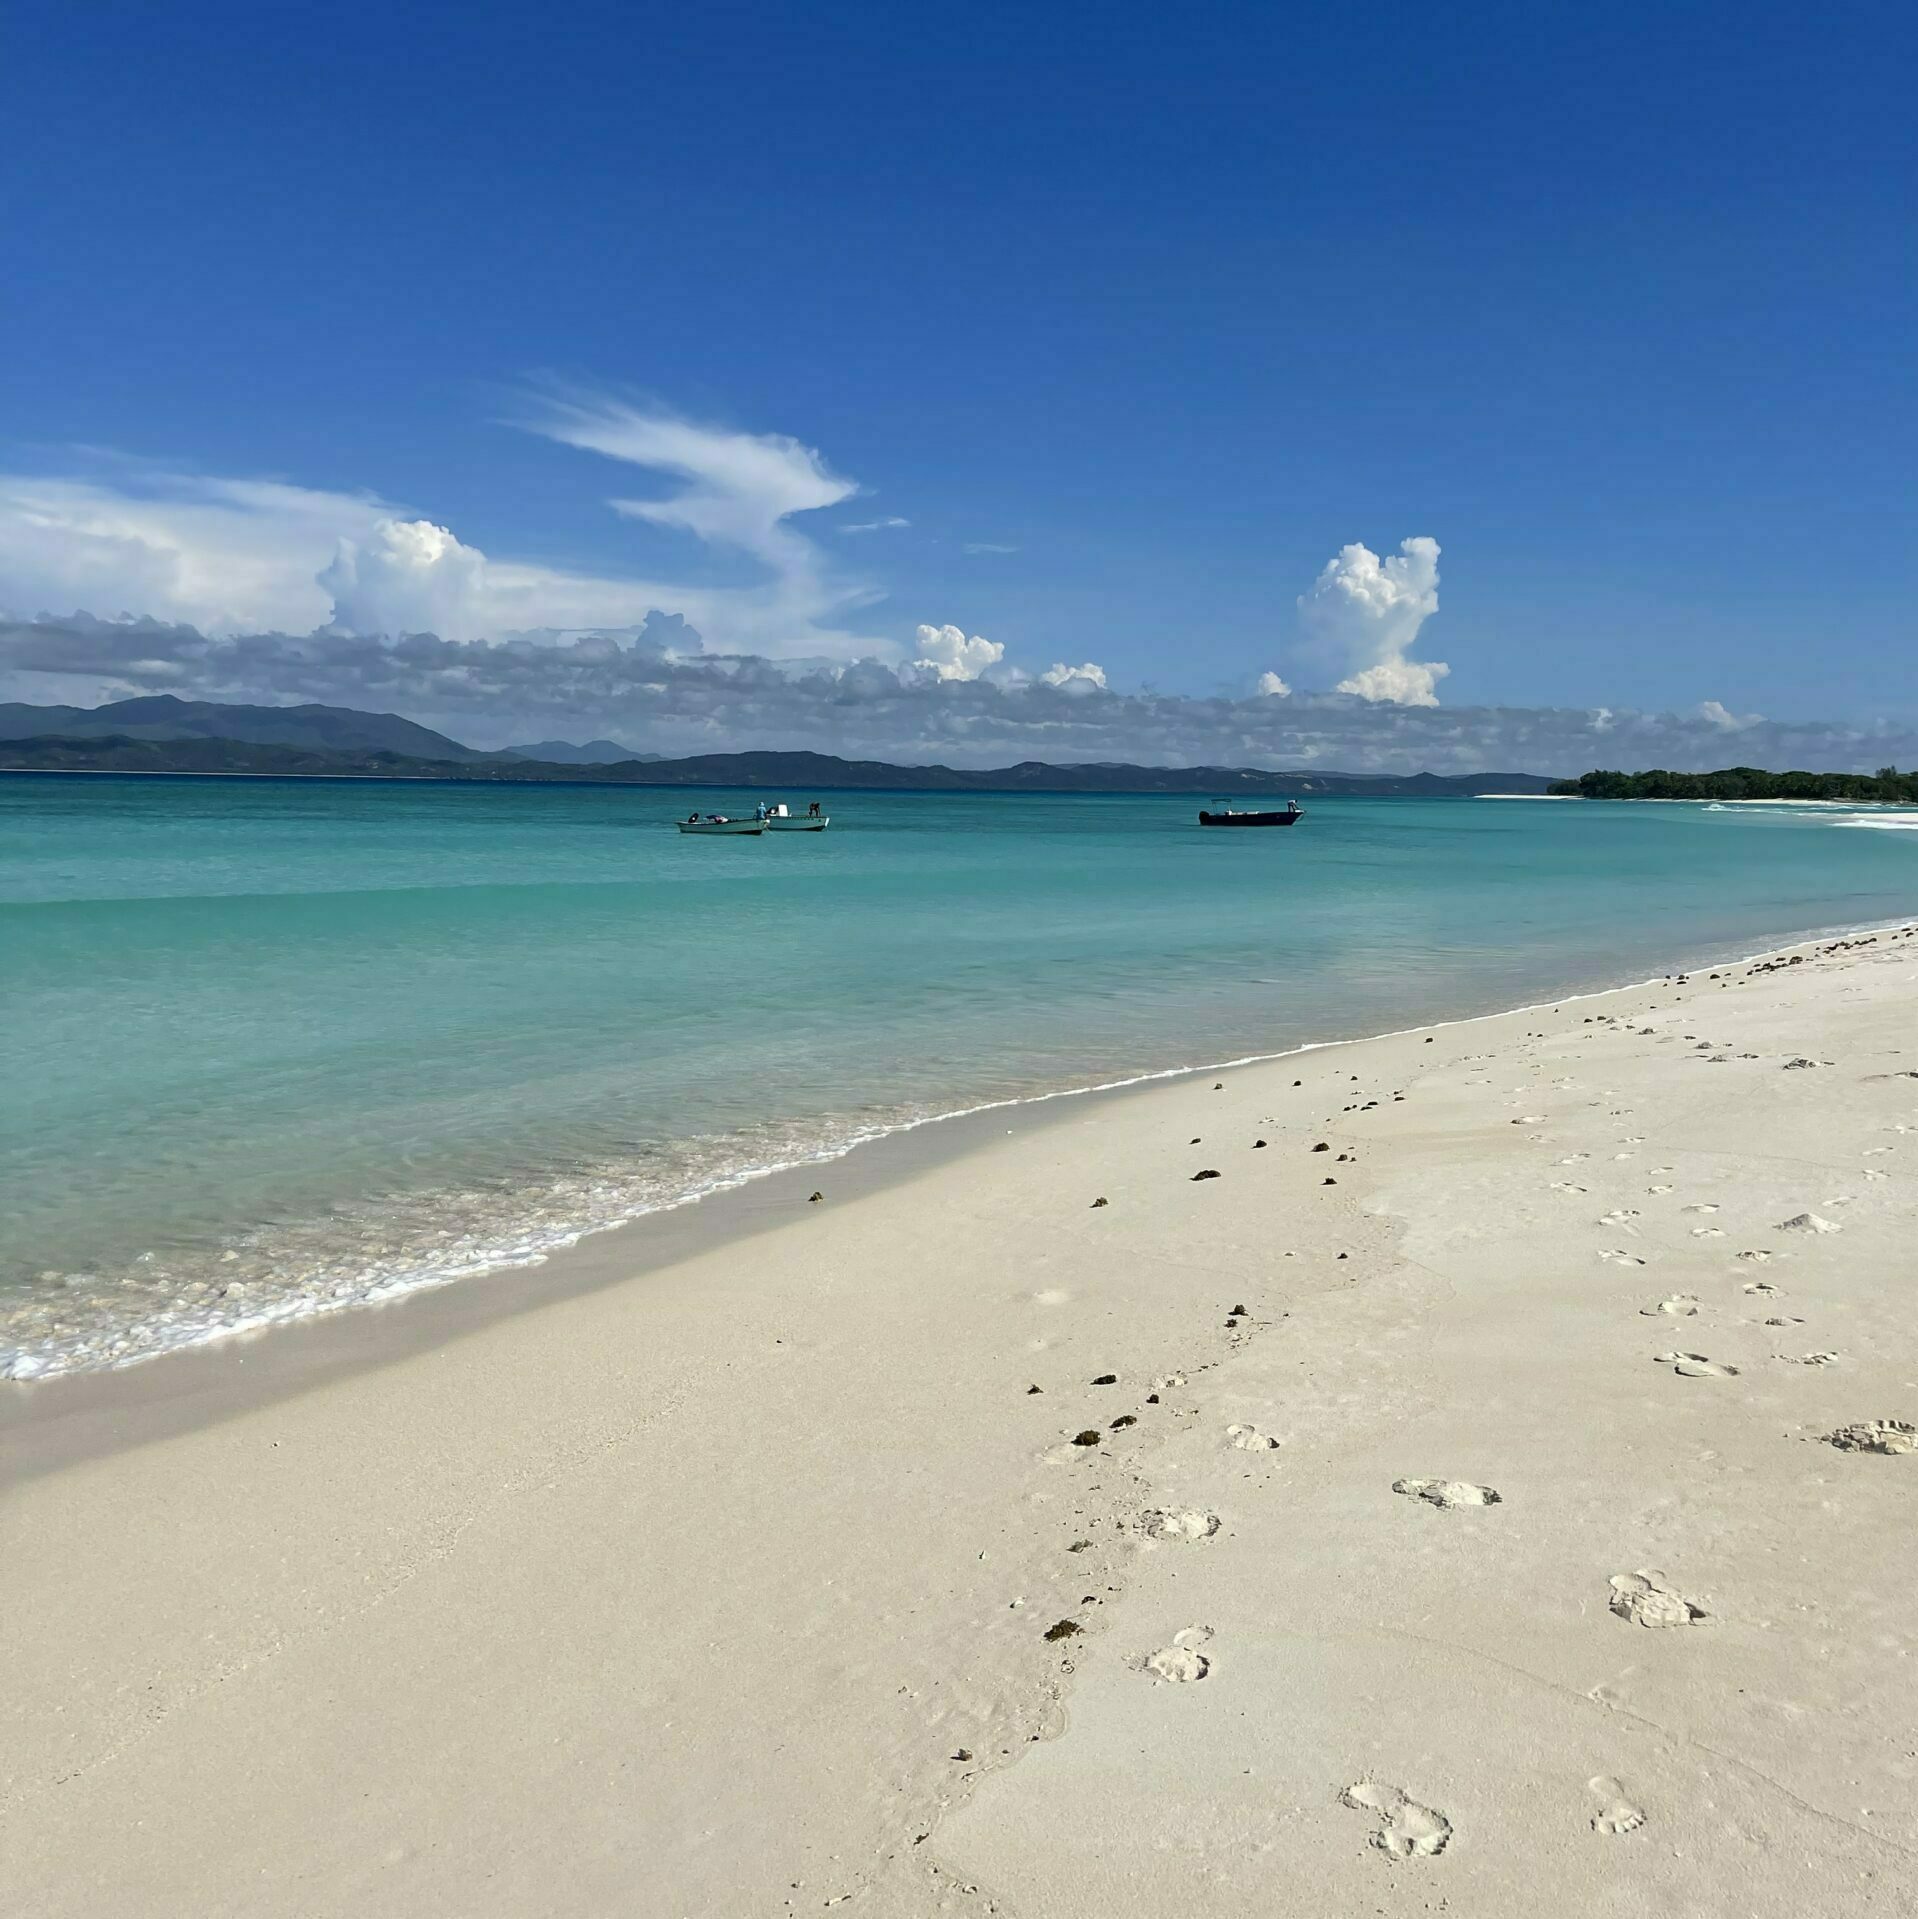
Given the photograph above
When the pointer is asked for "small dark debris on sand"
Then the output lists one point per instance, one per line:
(1331, 1182)
(1239, 1312)
(962, 1755)
(815, 1199)
(1065, 1629)
(1257, 1144)
(1124, 1420)
(1030, 1390)
(1218, 1086)
(1090, 1437)
(1152, 1399)
(1324, 1146)
(1080, 1546)
(1107, 1379)
(1100, 1201)
(1195, 1142)
(1210, 1172)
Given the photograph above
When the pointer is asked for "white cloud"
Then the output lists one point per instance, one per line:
(987, 546)
(873, 526)
(408, 576)
(1365, 614)
(232, 556)
(661, 693)
(1713, 714)
(1075, 679)
(946, 653)
(226, 555)
(1271, 687)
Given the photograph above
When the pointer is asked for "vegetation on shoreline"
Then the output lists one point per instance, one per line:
(1745, 783)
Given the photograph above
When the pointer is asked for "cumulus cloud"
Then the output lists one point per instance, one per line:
(408, 576)
(1713, 714)
(1271, 687)
(659, 691)
(1364, 613)
(946, 653)
(1075, 679)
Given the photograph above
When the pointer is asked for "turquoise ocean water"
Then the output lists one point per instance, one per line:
(273, 1047)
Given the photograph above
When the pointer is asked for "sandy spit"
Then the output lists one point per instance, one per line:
(1488, 1481)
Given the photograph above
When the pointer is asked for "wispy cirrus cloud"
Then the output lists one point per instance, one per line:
(231, 555)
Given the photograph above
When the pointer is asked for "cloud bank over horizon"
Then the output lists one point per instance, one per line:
(655, 687)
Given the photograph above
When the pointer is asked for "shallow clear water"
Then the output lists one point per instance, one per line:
(273, 1046)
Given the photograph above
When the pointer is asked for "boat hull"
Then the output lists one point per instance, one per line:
(1250, 819)
(800, 825)
(745, 829)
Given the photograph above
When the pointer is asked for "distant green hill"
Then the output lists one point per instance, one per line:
(1745, 783)
(164, 716)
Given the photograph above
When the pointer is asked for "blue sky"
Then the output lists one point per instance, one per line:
(1615, 307)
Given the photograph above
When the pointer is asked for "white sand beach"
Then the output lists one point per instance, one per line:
(1487, 1492)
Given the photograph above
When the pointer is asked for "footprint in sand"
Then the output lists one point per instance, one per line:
(1624, 1155)
(1618, 1216)
(1758, 1286)
(1701, 1206)
(1807, 1359)
(1696, 1366)
(1893, 1436)
(1878, 1152)
(1249, 1439)
(1633, 1139)
(1646, 1599)
(1708, 1232)
(1618, 1256)
(1182, 1663)
(1757, 1255)
(1167, 1524)
(1407, 1830)
(1658, 1189)
(1678, 1305)
(1872, 1172)
(1572, 1159)
(1447, 1493)
(1566, 1186)
(1616, 1813)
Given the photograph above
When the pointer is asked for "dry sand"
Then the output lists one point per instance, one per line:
(1467, 1534)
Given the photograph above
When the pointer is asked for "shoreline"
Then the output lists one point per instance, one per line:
(51, 1419)
(761, 1584)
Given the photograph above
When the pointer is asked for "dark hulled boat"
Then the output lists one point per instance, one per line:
(1291, 814)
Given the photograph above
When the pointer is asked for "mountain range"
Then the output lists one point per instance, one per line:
(164, 734)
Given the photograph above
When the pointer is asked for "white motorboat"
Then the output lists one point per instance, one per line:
(719, 823)
(783, 820)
